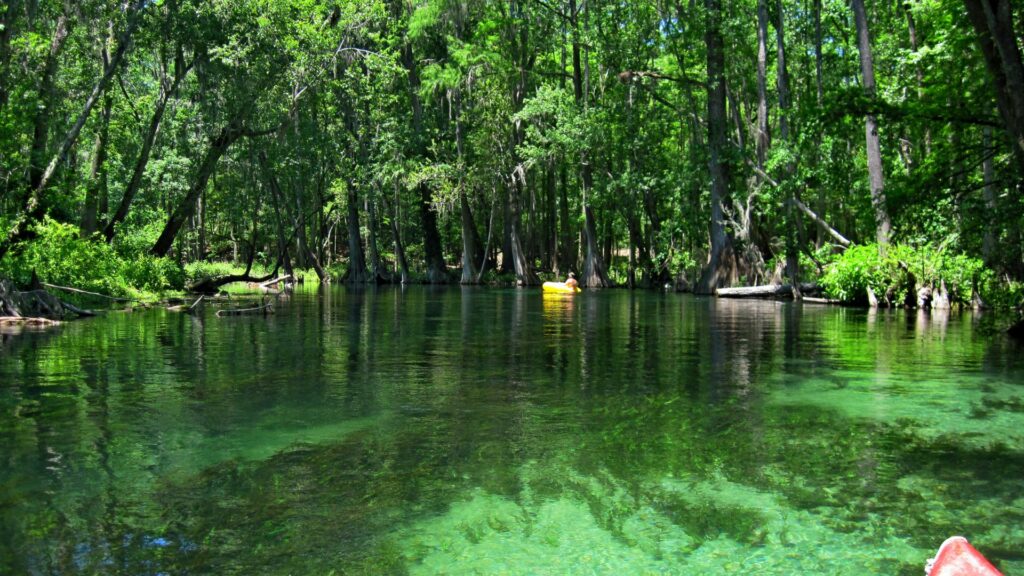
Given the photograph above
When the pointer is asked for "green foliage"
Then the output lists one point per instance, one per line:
(375, 103)
(859, 268)
(196, 271)
(59, 256)
(850, 275)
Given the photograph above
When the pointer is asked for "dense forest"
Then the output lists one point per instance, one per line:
(875, 147)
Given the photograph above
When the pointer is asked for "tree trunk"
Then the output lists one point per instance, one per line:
(34, 208)
(762, 140)
(7, 29)
(918, 72)
(470, 243)
(377, 275)
(396, 233)
(783, 75)
(876, 178)
(124, 41)
(470, 238)
(356, 258)
(144, 154)
(436, 272)
(48, 100)
(817, 49)
(218, 146)
(97, 185)
(721, 269)
(306, 255)
(993, 22)
(299, 218)
(485, 255)
(989, 246)
(594, 275)
(568, 259)
(435, 267)
(282, 240)
(507, 261)
(792, 228)
(525, 276)
(550, 253)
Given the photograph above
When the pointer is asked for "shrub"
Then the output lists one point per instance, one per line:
(59, 256)
(849, 276)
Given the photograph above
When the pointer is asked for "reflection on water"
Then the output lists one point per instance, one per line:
(473, 431)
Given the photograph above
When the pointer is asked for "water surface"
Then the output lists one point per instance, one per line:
(487, 431)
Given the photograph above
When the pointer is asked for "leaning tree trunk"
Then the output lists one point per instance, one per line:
(876, 177)
(722, 266)
(993, 22)
(220, 144)
(71, 136)
(34, 207)
(143, 158)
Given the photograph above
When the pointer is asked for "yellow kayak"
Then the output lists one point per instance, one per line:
(560, 288)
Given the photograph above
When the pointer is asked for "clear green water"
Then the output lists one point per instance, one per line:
(475, 431)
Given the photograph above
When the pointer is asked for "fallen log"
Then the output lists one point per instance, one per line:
(80, 311)
(27, 321)
(265, 309)
(264, 285)
(763, 291)
(811, 300)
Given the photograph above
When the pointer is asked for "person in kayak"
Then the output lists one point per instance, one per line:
(571, 281)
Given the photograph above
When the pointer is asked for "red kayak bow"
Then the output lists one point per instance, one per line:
(957, 557)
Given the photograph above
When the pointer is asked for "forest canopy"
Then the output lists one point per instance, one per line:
(149, 144)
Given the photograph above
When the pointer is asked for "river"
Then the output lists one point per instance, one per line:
(499, 431)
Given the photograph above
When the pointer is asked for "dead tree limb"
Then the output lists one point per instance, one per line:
(821, 222)
(265, 309)
(87, 293)
(842, 240)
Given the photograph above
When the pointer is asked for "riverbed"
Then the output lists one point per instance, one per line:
(501, 431)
